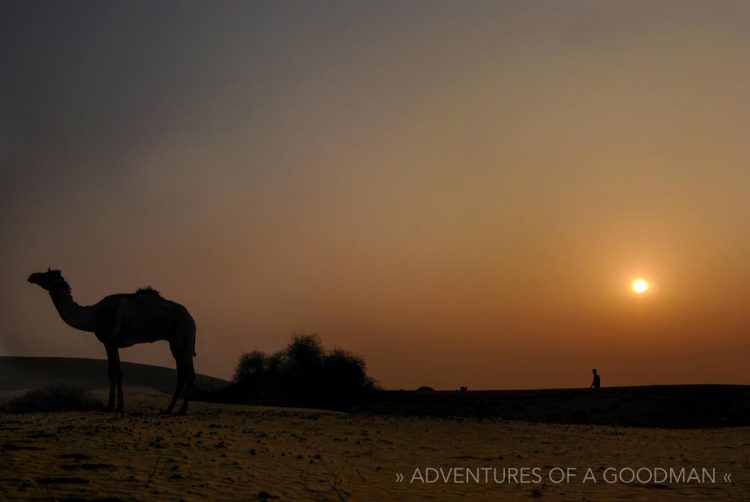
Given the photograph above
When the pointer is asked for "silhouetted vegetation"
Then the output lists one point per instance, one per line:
(55, 398)
(304, 374)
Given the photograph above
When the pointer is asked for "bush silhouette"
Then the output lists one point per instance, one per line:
(250, 370)
(304, 374)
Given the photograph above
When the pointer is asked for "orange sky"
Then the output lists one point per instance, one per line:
(459, 192)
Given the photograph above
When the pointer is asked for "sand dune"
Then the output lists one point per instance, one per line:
(225, 452)
(31, 372)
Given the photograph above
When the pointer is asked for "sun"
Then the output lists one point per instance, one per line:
(639, 285)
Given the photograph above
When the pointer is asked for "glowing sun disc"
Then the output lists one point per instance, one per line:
(639, 286)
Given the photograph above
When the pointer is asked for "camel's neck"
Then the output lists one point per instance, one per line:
(73, 314)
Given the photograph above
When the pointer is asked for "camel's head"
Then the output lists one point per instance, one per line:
(48, 280)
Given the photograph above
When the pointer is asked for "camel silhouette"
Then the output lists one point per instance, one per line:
(122, 320)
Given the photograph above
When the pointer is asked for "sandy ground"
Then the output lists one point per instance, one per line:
(221, 452)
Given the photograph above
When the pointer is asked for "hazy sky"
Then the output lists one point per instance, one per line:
(458, 191)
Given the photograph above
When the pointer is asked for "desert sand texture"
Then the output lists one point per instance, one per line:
(230, 452)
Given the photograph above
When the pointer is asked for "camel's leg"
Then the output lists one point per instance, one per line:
(189, 380)
(111, 375)
(116, 370)
(120, 395)
(180, 383)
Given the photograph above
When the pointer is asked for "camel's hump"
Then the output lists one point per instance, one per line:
(148, 290)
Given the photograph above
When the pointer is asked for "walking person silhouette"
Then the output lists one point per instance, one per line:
(597, 381)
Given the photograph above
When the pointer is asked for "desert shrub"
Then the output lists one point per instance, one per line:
(251, 368)
(304, 374)
(55, 398)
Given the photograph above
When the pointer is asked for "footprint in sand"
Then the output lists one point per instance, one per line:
(17, 447)
(89, 467)
(48, 480)
(74, 456)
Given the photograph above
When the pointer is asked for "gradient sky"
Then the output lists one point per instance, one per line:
(458, 191)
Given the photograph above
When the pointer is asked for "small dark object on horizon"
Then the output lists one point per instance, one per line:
(597, 382)
(425, 388)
